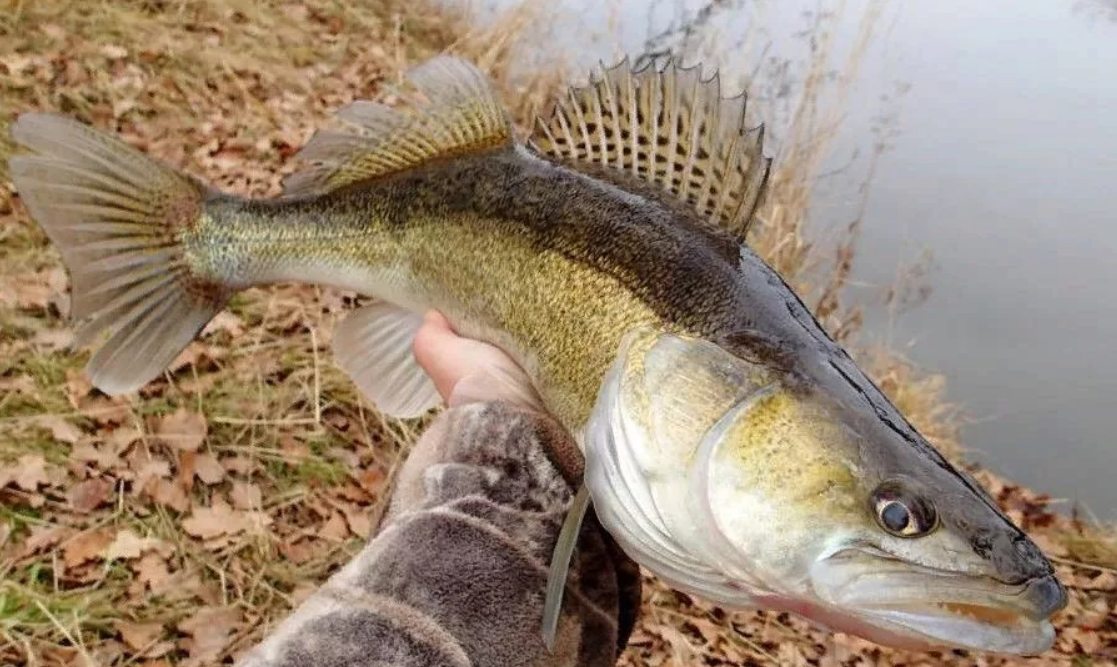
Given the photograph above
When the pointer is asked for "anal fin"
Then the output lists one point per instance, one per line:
(373, 346)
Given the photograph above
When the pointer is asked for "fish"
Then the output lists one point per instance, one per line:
(732, 447)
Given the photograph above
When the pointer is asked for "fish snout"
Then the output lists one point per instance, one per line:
(1044, 596)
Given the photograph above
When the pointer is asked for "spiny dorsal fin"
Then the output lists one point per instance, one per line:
(461, 114)
(670, 128)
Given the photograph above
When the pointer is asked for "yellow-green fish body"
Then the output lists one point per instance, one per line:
(531, 267)
(731, 446)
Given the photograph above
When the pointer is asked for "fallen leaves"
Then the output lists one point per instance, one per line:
(127, 545)
(208, 470)
(87, 496)
(210, 630)
(152, 571)
(86, 546)
(142, 637)
(61, 429)
(33, 291)
(246, 495)
(183, 430)
(168, 493)
(220, 519)
(28, 473)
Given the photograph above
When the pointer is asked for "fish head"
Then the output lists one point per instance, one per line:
(755, 487)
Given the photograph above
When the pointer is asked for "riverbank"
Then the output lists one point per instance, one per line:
(176, 527)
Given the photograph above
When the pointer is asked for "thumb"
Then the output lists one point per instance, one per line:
(466, 371)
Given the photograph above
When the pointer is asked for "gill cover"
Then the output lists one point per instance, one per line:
(666, 403)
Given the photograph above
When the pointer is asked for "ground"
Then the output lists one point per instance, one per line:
(176, 526)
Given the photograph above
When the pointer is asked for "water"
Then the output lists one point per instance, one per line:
(1004, 167)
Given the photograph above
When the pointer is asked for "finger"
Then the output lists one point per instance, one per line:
(441, 353)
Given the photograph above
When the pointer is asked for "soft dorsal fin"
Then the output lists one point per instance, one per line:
(461, 114)
(670, 128)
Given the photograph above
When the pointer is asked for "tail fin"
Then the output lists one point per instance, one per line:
(116, 216)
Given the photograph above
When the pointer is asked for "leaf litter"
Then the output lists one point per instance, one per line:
(174, 528)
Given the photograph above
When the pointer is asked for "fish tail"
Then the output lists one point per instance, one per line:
(118, 218)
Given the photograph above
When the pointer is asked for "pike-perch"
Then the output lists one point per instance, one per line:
(732, 446)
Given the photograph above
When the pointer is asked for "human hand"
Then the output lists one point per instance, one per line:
(467, 371)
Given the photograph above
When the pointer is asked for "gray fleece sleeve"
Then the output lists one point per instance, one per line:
(457, 571)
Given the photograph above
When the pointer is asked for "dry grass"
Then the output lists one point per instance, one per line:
(176, 527)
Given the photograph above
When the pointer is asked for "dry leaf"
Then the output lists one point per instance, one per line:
(122, 437)
(42, 538)
(208, 469)
(246, 496)
(371, 480)
(335, 529)
(302, 592)
(90, 494)
(240, 465)
(220, 519)
(299, 551)
(86, 546)
(51, 340)
(1089, 640)
(151, 570)
(78, 387)
(20, 384)
(28, 291)
(1049, 546)
(189, 356)
(60, 429)
(210, 630)
(114, 52)
(129, 545)
(139, 636)
(184, 430)
(359, 522)
(186, 462)
(29, 473)
(148, 468)
(227, 321)
(345, 456)
(87, 452)
(166, 492)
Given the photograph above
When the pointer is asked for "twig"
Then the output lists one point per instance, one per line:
(1078, 563)
(317, 379)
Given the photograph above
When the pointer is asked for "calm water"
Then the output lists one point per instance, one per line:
(1004, 167)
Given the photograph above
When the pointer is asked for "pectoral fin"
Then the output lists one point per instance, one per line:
(560, 564)
(373, 346)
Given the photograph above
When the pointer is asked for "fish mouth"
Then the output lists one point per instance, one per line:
(920, 606)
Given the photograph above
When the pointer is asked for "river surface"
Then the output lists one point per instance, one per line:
(1002, 163)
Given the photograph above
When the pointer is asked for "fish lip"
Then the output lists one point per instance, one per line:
(1037, 598)
(939, 626)
(968, 611)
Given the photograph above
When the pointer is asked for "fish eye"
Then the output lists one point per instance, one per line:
(901, 512)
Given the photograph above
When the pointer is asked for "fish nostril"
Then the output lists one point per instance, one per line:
(1046, 595)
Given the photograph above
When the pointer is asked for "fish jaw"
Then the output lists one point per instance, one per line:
(921, 608)
(679, 507)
